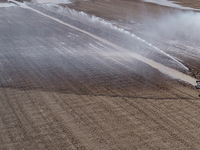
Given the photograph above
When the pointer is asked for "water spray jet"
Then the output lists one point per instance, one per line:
(169, 71)
(80, 15)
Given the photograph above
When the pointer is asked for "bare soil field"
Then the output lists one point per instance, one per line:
(49, 120)
(193, 3)
(58, 90)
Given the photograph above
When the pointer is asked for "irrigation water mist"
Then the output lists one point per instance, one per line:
(101, 23)
(178, 32)
(166, 70)
(180, 24)
(162, 68)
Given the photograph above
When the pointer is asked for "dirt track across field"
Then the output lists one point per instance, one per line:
(63, 89)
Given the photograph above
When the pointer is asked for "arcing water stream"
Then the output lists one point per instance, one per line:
(102, 23)
(169, 71)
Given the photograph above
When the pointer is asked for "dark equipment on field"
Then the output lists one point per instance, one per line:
(198, 85)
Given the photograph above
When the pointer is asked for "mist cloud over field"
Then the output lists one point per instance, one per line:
(179, 24)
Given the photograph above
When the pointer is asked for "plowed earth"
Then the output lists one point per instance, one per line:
(62, 89)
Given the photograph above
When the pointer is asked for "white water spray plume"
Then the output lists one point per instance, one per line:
(103, 24)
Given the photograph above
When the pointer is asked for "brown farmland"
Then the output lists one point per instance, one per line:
(63, 89)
